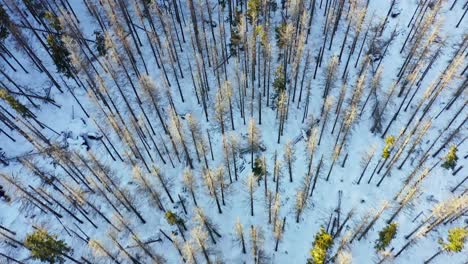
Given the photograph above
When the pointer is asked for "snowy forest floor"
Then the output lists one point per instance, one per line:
(332, 199)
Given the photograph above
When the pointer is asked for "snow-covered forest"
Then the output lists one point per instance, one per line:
(233, 131)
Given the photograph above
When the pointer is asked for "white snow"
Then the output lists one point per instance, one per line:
(298, 237)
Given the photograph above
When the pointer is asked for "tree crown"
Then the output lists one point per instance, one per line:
(323, 242)
(456, 239)
(451, 158)
(386, 235)
(46, 247)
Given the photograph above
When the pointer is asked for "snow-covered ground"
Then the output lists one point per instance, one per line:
(72, 126)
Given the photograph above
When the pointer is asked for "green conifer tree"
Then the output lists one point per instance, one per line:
(280, 33)
(456, 240)
(259, 169)
(4, 20)
(451, 158)
(100, 43)
(389, 141)
(46, 247)
(60, 54)
(323, 242)
(173, 219)
(279, 81)
(253, 9)
(235, 39)
(386, 235)
(15, 104)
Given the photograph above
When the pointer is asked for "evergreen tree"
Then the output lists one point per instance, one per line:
(100, 43)
(323, 242)
(15, 104)
(253, 9)
(389, 141)
(281, 34)
(60, 54)
(456, 240)
(173, 219)
(46, 247)
(259, 169)
(280, 80)
(386, 235)
(451, 158)
(236, 38)
(4, 20)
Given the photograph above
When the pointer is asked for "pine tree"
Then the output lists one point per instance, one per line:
(259, 169)
(279, 83)
(14, 103)
(455, 242)
(46, 247)
(4, 21)
(236, 38)
(173, 219)
(451, 158)
(386, 235)
(253, 9)
(389, 141)
(322, 243)
(283, 35)
(456, 239)
(59, 52)
(100, 43)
